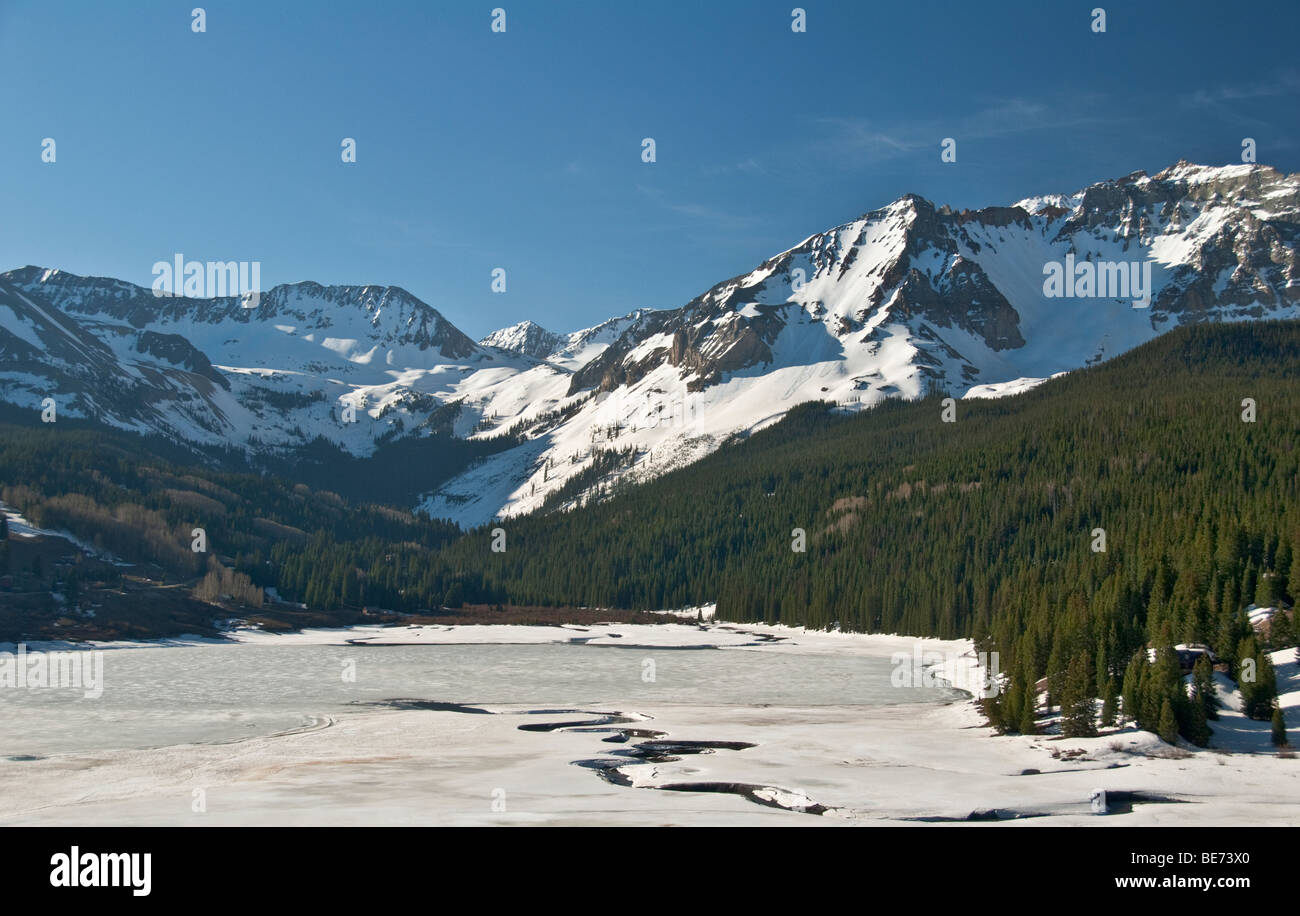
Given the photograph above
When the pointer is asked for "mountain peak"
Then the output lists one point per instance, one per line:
(907, 299)
(527, 338)
(386, 316)
(1193, 173)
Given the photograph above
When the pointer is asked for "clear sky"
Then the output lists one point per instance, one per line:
(522, 149)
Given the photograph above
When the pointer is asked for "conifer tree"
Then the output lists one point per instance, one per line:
(1245, 672)
(1011, 705)
(1203, 680)
(1279, 727)
(1028, 712)
(1132, 689)
(1168, 727)
(1056, 670)
(1103, 657)
(1228, 634)
(1248, 581)
(1190, 714)
(1268, 590)
(1162, 681)
(994, 712)
(1261, 699)
(1077, 713)
(1109, 702)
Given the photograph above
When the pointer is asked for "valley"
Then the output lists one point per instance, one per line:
(907, 300)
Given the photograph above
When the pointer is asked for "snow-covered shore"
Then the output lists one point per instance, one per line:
(885, 765)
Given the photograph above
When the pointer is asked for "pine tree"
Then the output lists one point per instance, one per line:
(1132, 689)
(1259, 704)
(1011, 705)
(1249, 580)
(1230, 631)
(1103, 657)
(1279, 628)
(1242, 673)
(1268, 590)
(1160, 682)
(1203, 681)
(1077, 714)
(994, 713)
(1109, 702)
(1028, 708)
(1191, 721)
(1279, 727)
(1056, 670)
(1168, 728)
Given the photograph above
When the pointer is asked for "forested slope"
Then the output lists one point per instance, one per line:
(986, 526)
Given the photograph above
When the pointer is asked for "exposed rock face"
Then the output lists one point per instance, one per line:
(904, 300)
(394, 317)
(117, 353)
(527, 339)
(1222, 242)
(178, 351)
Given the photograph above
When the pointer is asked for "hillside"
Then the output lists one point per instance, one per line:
(910, 299)
(1103, 511)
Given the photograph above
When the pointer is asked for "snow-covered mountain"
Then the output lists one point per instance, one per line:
(904, 300)
(571, 351)
(908, 299)
(526, 338)
(212, 371)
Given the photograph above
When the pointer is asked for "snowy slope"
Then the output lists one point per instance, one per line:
(904, 300)
(526, 338)
(274, 377)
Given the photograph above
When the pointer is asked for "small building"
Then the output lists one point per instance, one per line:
(1189, 655)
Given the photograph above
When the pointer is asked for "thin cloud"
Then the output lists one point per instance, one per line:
(1285, 82)
(1232, 103)
(861, 138)
(722, 219)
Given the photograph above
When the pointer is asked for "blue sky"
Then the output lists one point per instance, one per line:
(522, 150)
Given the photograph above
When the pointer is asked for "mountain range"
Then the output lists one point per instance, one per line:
(903, 301)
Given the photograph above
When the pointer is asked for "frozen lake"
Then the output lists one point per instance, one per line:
(613, 724)
(164, 695)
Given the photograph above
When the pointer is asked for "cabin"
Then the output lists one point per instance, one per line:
(1188, 655)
